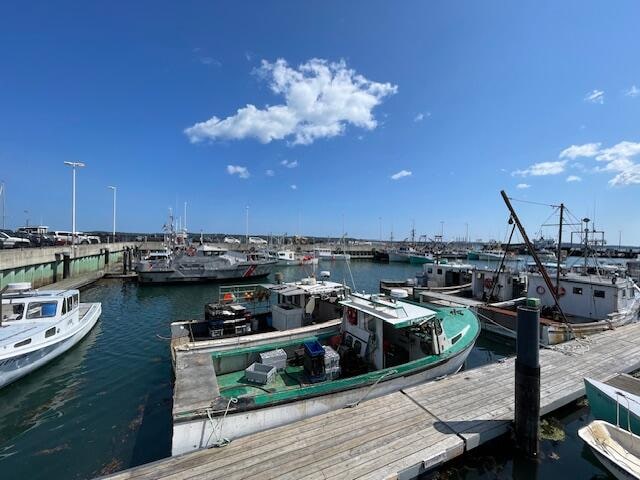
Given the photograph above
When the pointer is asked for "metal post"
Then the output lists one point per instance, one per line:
(247, 229)
(66, 266)
(527, 378)
(73, 166)
(73, 209)
(115, 190)
(559, 249)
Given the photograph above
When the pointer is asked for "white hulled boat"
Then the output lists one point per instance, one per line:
(288, 258)
(39, 325)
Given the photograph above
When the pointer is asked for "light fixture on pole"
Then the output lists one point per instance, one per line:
(73, 166)
(115, 190)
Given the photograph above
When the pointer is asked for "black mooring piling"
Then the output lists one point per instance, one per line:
(527, 391)
(125, 260)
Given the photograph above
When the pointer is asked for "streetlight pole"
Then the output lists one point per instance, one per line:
(115, 190)
(247, 227)
(73, 166)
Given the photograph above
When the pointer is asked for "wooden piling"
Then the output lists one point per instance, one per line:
(527, 378)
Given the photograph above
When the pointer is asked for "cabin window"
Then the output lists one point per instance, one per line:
(439, 271)
(64, 307)
(429, 270)
(624, 293)
(14, 312)
(577, 290)
(50, 333)
(22, 343)
(455, 339)
(598, 293)
(76, 299)
(42, 310)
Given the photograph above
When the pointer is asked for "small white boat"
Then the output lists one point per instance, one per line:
(617, 449)
(327, 254)
(39, 325)
(290, 258)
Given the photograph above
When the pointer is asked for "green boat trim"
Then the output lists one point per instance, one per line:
(459, 324)
(604, 407)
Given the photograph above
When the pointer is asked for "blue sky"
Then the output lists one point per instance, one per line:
(469, 97)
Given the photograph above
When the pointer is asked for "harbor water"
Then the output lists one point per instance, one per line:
(106, 404)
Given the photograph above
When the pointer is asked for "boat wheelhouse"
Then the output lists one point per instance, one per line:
(258, 308)
(38, 325)
(592, 299)
(382, 344)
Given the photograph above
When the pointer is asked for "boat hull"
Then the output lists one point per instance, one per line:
(16, 367)
(502, 322)
(339, 257)
(398, 257)
(604, 404)
(297, 262)
(614, 447)
(419, 260)
(239, 272)
(199, 433)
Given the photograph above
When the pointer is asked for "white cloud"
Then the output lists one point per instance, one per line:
(542, 168)
(294, 187)
(575, 151)
(320, 99)
(289, 164)
(574, 178)
(242, 172)
(595, 96)
(522, 186)
(401, 174)
(615, 159)
(421, 116)
(210, 61)
(270, 173)
(633, 91)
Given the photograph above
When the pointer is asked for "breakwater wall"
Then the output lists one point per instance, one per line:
(42, 266)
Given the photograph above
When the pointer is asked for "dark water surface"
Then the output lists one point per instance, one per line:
(106, 404)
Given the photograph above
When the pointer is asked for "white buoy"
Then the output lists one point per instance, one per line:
(398, 293)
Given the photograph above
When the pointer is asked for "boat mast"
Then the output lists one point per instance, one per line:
(559, 248)
(541, 268)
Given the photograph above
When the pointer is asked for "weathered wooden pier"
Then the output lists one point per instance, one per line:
(409, 432)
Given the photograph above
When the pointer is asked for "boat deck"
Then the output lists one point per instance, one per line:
(409, 432)
(625, 382)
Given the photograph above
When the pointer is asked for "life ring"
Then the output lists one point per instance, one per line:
(488, 282)
(540, 290)
(561, 292)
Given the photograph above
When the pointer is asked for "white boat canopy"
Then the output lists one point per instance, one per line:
(396, 313)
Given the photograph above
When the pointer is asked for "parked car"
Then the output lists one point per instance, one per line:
(231, 240)
(257, 241)
(9, 241)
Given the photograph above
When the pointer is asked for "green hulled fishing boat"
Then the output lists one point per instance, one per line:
(382, 344)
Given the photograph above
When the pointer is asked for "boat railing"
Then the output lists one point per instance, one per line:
(254, 297)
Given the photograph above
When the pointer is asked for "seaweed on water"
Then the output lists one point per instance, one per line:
(552, 429)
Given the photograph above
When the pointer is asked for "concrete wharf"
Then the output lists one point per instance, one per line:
(406, 433)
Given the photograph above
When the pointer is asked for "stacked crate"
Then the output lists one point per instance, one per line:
(331, 363)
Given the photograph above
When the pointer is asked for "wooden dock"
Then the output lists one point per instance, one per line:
(409, 432)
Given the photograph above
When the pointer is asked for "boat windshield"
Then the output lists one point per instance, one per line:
(42, 309)
(12, 311)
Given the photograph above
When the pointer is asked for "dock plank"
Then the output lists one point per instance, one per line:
(406, 433)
